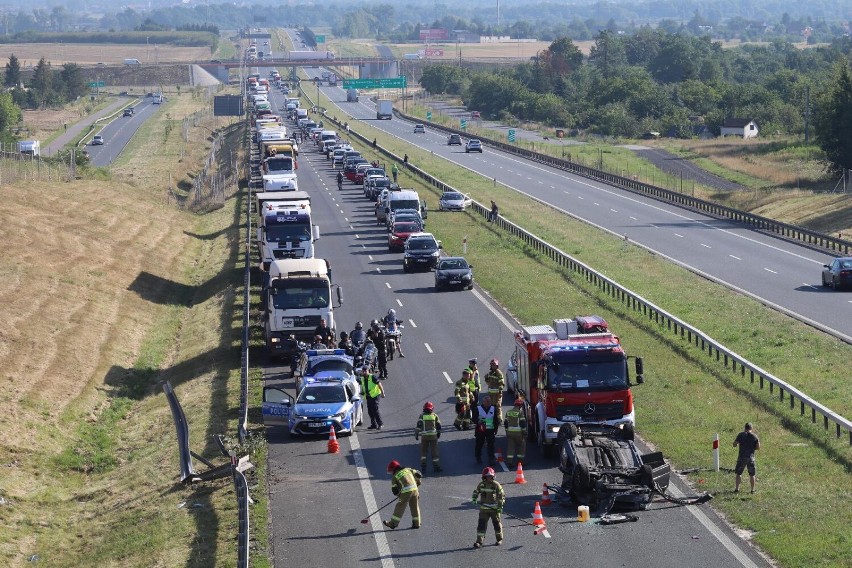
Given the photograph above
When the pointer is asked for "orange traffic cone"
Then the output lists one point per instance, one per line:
(545, 496)
(538, 519)
(519, 476)
(499, 455)
(333, 445)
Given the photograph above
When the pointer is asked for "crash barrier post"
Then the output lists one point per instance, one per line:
(243, 499)
(716, 453)
(784, 230)
(186, 469)
(651, 312)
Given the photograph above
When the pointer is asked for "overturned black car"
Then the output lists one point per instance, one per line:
(601, 467)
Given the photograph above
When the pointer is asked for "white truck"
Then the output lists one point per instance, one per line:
(279, 173)
(297, 296)
(30, 147)
(286, 231)
(310, 55)
(384, 109)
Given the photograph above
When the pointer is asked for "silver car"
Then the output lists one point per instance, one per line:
(454, 201)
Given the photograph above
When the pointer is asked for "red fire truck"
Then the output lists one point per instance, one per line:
(575, 371)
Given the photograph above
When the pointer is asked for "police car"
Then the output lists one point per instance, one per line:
(329, 397)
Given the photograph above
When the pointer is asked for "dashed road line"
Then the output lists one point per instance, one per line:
(428, 348)
(447, 376)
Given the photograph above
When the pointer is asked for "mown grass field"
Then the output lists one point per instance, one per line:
(107, 289)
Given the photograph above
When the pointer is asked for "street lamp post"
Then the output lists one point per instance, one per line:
(147, 53)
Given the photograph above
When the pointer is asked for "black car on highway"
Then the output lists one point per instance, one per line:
(454, 140)
(838, 274)
(453, 272)
(421, 252)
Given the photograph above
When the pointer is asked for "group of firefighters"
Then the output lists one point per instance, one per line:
(474, 408)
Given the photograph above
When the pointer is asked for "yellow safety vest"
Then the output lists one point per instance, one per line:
(430, 430)
(405, 480)
(513, 421)
(370, 386)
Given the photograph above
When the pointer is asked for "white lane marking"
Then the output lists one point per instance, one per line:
(613, 210)
(379, 270)
(770, 271)
(345, 218)
(632, 218)
(388, 285)
(741, 556)
(370, 256)
(509, 325)
(411, 321)
(503, 466)
(447, 376)
(428, 348)
(370, 501)
(399, 303)
(357, 236)
(734, 257)
(678, 235)
(706, 246)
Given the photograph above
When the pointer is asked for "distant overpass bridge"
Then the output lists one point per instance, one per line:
(369, 67)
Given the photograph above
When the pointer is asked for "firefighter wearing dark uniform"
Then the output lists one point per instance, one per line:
(516, 433)
(464, 401)
(490, 497)
(487, 423)
(371, 390)
(428, 431)
(496, 382)
(404, 484)
(474, 380)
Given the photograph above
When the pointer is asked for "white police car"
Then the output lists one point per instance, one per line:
(328, 398)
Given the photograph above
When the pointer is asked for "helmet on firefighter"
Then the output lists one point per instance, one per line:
(428, 407)
(395, 465)
(488, 472)
(359, 325)
(495, 362)
(472, 361)
(519, 401)
(466, 372)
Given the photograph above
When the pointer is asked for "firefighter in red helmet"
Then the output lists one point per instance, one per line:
(404, 484)
(490, 497)
(428, 430)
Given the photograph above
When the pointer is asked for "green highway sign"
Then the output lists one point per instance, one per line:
(391, 83)
(319, 38)
(94, 84)
(463, 123)
(511, 135)
(428, 115)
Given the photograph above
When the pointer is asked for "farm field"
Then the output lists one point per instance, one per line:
(92, 54)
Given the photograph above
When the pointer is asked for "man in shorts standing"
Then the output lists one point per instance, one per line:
(748, 443)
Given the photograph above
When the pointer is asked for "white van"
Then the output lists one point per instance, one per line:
(301, 113)
(132, 62)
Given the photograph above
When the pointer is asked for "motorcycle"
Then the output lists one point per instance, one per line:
(393, 334)
(298, 348)
(366, 356)
(357, 337)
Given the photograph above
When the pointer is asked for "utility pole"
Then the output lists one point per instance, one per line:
(498, 13)
(807, 111)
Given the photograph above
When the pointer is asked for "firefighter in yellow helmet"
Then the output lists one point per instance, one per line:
(490, 497)
(516, 433)
(496, 382)
(404, 484)
(464, 402)
(428, 431)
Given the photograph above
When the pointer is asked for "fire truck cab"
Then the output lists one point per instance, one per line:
(575, 371)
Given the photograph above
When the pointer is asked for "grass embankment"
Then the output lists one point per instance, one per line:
(799, 515)
(133, 290)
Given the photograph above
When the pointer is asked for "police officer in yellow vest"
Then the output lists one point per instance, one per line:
(428, 431)
(516, 433)
(464, 401)
(404, 484)
(474, 383)
(490, 497)
(371, 390)
(496, 382)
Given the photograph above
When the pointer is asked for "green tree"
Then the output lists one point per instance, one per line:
(13, 72)
(833, 118)
(10, 113)
(72, 82)
(41, 85)
(608, 53)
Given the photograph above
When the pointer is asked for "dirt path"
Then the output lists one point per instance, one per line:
(677, 166)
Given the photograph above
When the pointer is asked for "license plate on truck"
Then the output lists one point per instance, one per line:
(287, 322)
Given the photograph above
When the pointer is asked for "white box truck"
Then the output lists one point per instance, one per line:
(297, 297)
(30, 147)
(384, 109)
(286, 232)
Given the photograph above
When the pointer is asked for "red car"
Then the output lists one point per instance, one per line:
(400, 233)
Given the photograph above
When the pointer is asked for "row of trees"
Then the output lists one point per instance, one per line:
(47, 87)
(655, 81)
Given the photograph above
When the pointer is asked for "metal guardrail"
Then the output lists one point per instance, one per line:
(771, 226)
(646, 309)
(243, 500)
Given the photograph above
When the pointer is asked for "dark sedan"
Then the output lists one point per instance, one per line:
(453, 272)
(838, 274)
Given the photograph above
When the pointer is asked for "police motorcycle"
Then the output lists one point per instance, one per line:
(358, 336)
(393, 332)
(297, 348)
(366, 356)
